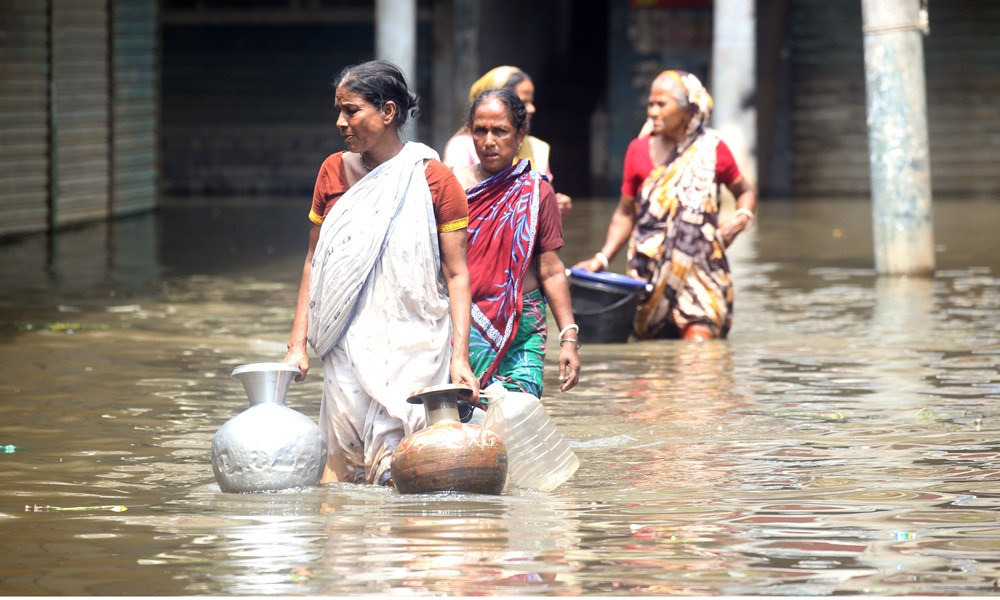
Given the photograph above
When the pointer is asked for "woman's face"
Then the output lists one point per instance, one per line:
(494, 136)
(669, 119)
(360, 122)
(526, 92)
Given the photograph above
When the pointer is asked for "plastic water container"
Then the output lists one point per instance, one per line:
(538, 456)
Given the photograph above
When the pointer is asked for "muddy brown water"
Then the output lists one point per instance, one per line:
(844, 440)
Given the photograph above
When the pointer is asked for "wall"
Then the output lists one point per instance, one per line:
(248, 97)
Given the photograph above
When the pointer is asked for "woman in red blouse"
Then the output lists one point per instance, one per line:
(669, 215)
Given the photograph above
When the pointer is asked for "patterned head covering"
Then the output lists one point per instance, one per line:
(494, 79)
(697, 96)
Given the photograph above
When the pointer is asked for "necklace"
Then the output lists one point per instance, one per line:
(364, 164)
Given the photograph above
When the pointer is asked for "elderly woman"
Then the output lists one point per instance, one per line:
(669, 215)
(460, 150)
(384, 298)
(515, 234)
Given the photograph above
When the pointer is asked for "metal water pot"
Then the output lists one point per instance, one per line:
(448, 455)
(268, 446)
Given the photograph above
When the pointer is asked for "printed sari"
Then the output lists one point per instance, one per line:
(675, 243)
(521, 367)
(503, 227)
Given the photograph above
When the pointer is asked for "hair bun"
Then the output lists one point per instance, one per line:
(379, 82)
(412, 109)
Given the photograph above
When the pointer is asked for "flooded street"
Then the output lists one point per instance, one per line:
(845, 439)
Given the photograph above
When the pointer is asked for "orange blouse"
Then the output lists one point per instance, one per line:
(451, 208)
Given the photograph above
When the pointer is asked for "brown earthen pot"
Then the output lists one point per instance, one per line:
(448, 455)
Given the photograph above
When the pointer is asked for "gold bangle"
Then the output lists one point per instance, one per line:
(561, 342)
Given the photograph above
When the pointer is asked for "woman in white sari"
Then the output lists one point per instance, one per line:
(384, 298)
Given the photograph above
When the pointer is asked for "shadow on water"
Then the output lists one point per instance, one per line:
(843, 440)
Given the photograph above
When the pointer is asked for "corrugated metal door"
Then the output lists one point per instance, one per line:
(81, 110)
(829, 135)
(24, 89)
(135, 101)
(829, 130)
(962, 57)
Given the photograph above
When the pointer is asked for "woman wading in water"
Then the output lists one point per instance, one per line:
(668, 215)
(384, 298)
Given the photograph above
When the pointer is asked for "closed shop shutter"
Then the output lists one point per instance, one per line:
(829, 130)
(248, 105)
(962, 57)
(134, 106)
(829, 135)
(81, 109)
(24, 163)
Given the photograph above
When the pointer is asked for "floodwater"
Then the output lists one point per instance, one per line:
(844, 440)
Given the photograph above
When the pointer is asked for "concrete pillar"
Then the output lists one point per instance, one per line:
(897, 137)
(396, 38)
(442, 74)
(466, 45)
(733, 84)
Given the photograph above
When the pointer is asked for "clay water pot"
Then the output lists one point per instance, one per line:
(268, 446)
(448, 455)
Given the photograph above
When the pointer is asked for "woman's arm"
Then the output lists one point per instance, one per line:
(456, 276)
(555, 286)
(297, 353)
(622, 222)
(746, 202)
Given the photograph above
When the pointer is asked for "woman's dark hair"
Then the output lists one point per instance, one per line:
(380, 82)
(515, 108)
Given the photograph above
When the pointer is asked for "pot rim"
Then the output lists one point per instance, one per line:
(264, 366)
(458, 391)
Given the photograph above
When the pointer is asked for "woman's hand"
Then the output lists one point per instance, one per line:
(462, 373)
(297, 356)
(456, 275)
(552, 278)
(569, 366)
(592, 264)
(732, 227)
(746, 202)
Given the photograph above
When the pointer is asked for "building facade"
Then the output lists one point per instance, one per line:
(107, 105)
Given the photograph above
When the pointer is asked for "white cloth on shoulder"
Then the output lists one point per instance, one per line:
(379, 314)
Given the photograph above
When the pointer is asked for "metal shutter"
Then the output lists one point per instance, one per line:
(24, 73)
(829, 131)
(962, 57)
(829, 134)
(81, 115)
(135, 98)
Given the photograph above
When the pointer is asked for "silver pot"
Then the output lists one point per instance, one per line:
(268, 446)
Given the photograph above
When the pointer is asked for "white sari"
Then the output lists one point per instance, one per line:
(379, 314)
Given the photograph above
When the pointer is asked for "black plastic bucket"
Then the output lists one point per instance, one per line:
(603, 305)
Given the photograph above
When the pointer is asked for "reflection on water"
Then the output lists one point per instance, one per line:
(843, 440)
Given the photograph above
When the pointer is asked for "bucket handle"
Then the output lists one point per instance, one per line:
(616, 304)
